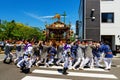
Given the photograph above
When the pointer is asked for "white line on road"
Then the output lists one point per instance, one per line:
(1, 59)
(86, 69)
(41, 78)
(95, 69)
(94, 75)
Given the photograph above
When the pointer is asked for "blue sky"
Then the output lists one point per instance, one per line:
(38, 12)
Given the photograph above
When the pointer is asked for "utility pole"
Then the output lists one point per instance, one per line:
(64, 14)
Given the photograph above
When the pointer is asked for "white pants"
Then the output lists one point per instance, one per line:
(87, 59)
(28, 63)
(50, 61)
(102, 56)
(97, 61)
(61, 59)
(70, 62)
(8, 56)
(66, 63)
(78, 62)
(108, 63)
(41, 60)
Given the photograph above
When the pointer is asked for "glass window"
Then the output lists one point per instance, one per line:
(107, 17)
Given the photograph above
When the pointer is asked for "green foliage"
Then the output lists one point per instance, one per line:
(72, 38)
(19, 31)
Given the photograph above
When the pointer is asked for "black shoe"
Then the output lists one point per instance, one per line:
(10, 61)
(27, 70)
(22, 68)
(4, 61)
(65, 71)
(109, 69)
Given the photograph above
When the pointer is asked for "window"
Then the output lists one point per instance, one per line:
(107, 17)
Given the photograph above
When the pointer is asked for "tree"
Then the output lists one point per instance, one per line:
(7, 29)
(19, 31)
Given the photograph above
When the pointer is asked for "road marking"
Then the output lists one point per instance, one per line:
(1, 59)
(78, 74)
(95, 69)
(54, 67)
(41, 78)
(86, 69)
(118, 65)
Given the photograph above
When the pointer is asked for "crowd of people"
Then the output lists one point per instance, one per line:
(70, 55)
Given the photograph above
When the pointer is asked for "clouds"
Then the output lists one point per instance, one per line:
(46, 19)
(41, 18)
(35, 16)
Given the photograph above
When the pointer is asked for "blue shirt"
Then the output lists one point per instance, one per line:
(108, 51)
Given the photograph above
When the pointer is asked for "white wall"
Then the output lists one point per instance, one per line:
(111, 28)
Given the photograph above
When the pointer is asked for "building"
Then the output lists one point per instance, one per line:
(78, 30)
(100, 21)
(89, 13)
